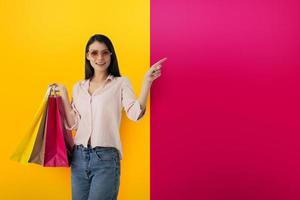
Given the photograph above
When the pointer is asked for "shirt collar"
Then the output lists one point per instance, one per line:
(86, 82)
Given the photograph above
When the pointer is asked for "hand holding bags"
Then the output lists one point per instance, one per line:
(47, 143)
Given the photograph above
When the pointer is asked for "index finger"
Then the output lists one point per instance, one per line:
(159, 62)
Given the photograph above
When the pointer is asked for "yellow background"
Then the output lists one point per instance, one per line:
(43, 42)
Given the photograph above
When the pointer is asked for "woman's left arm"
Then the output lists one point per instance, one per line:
(153, 73)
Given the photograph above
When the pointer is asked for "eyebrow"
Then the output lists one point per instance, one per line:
(97, 50)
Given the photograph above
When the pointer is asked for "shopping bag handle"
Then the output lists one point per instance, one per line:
(51, 91)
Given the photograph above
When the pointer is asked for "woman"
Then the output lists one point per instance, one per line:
(95, 113)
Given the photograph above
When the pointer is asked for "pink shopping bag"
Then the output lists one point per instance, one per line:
(59, 141)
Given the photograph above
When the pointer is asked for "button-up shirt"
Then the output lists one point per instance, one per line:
(97, 116)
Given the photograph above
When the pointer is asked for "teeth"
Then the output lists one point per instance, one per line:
(100, 63)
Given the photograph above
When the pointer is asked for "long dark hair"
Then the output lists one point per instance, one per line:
(113, 68)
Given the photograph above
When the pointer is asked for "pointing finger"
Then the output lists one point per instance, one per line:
(160, 61)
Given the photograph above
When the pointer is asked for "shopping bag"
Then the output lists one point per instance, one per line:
(68, 137)
(55, 148)
(24, 149)
(38, 151)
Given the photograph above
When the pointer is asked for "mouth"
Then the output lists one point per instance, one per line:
(100, 64)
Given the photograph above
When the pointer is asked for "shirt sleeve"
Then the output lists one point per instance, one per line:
(129, 102)
(74, 112)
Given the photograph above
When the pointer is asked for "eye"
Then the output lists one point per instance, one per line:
(94, 53)
(105, 53)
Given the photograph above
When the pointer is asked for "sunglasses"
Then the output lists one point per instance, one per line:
(95, 53)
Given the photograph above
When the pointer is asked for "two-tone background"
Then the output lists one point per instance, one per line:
(224, 120)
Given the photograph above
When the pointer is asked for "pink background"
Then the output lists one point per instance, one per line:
(225, 114)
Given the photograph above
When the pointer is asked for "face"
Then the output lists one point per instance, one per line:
(99, 56)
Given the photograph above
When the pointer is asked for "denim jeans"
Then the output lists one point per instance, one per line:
(95, 173)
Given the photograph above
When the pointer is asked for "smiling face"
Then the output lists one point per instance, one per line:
(99, 56)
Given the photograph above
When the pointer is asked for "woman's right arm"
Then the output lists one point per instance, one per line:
(71, 116)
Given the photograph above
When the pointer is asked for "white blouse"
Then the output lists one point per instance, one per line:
(99, 115)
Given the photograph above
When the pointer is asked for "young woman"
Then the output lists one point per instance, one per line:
(95, 113)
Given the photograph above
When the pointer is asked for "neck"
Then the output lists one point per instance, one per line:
(99, 76)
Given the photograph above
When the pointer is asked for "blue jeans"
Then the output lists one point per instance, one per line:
(95, 173)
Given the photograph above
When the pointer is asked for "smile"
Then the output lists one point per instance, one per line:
(100, 63)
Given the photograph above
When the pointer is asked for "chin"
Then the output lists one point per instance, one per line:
(101, 69)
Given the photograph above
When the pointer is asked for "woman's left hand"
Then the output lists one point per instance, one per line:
(154, 72)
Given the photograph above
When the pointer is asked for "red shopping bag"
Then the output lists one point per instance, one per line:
(59, 142)
(68, 138)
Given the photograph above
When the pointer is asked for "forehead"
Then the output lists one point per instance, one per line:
(98, 46)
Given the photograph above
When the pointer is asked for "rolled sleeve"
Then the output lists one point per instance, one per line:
(130, 104)
(75, 116)
(74, 113)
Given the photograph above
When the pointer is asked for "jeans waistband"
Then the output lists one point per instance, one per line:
(89, 147)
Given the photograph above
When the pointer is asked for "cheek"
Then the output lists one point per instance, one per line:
(92, 64)
(108, 62)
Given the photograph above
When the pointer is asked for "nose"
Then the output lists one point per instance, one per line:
(100, 56)
(99, 59)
